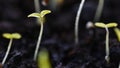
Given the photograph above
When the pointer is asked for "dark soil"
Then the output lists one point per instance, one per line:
(58, 36)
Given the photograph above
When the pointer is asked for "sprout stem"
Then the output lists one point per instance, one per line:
(99, 10)
(38, 42)
(119, 65)
(8, 50)
(37, 5)
(107, 58)
(77, 21)
(37, 8)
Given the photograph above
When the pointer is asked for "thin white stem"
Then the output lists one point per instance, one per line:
(99, 10)
(119, 65)
(8, 50)
(37, 8)
(107, 58)
(38, 42)
(37, 5)
(77, 20)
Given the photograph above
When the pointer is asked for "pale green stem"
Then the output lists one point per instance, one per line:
(8, 50)
(77, 20)
(37, 8)
(38, 42)
(99, 10)
(37, 5)
(107, 58)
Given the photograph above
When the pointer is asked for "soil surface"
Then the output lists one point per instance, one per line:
(58, 35)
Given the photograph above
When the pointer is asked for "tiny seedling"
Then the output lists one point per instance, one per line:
(77, 20)
(11, 37)
(99, 10)
(43, 59)
(117, 31)
(106, 26)
(41, 19)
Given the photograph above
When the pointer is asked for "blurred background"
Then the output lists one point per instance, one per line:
(13, 13)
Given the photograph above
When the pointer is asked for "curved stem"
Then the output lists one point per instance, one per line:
(107, 58)
(119, 65)
(77, 20)
(8, 50)
(99, 10)
(37, 5)
(38, 42)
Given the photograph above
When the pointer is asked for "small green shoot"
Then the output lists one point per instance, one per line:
(106, 26)
(11, 37)
(41, 19)
(117, 31)
(77, 20)
(43, 59)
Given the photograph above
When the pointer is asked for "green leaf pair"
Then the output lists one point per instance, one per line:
(106, 26)
(13, 35)
(41, 15)
(102, 25)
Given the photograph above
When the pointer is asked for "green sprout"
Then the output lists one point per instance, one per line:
(106, 26)
(99, 10)
(41, 19)
(77, 20)
(11, 37)
(117, 31)
(43, 59)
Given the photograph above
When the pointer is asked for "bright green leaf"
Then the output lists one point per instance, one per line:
(102, 25)
(16, 36)
(117, 31)
(44, 12)
(34, 15)
(111, 25)
(7, 35)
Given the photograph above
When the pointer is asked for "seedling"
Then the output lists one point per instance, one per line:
(99, 10)
(43, 59)
(77, 20)
(106, 26)
(41, 19)
(11, 37)
(117, 31)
